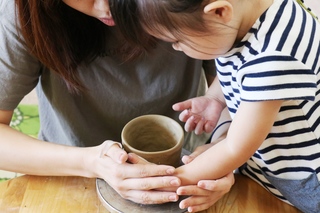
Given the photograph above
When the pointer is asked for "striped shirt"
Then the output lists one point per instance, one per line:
(278, 59)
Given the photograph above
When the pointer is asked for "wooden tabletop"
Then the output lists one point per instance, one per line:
(33, 194)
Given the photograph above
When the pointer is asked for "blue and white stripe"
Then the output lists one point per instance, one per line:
(279, 60)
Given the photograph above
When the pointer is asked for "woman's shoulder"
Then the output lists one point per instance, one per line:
(7, 9)
(8, 16)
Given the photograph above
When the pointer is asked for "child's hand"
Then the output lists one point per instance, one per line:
(200, 114)
(205, 193)
(198, 151)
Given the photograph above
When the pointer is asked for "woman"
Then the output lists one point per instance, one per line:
(88, 89)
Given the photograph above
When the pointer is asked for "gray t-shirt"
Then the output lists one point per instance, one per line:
(117, 91)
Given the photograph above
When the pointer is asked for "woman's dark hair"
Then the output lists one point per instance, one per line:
(127, 17)
(136, 17)
(62, 38)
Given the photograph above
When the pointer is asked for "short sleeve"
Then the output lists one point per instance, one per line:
(276, 77)
(19, 71)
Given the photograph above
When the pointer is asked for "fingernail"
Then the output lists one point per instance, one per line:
(174, 183)
(201, 184)
(182, 206)
(122, 158)
(170, 171)
(173, 197)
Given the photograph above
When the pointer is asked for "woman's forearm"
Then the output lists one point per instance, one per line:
(23, 154)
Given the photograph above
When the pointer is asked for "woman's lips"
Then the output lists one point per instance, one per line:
(108, 21)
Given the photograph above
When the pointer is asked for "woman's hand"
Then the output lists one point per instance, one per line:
(134, 178)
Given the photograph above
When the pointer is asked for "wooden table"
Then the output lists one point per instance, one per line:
(33, 194)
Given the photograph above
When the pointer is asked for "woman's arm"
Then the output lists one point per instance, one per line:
(249, 128)
(27, 155)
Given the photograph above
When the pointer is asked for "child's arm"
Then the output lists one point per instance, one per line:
(249, 128)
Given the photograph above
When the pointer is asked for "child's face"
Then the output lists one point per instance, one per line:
(204, 47)
(96, 8)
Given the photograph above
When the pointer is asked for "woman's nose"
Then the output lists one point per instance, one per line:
(102, 5)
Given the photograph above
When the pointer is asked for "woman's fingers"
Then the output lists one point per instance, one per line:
(151, 197)
(144, 170)
(144, 190)
(136, 159)
(114, 151)
(141, 182)
(151, 183)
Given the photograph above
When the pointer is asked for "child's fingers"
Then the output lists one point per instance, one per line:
(191, 123)
(209, 126)
(200, 127)
(184, 115)
(223, 184)
(186, 159)
(182, 105)
(198, 199)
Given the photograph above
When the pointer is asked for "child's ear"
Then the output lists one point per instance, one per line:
(221, 9)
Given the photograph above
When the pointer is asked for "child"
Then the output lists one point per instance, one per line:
(267, 58)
